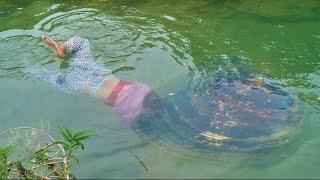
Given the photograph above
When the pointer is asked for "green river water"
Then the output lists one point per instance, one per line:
(154, 41)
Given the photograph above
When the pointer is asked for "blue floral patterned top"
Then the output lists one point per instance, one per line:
(82, 70)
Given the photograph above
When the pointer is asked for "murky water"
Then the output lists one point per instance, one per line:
(155, 42)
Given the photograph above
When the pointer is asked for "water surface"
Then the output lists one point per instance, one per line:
(155, 42)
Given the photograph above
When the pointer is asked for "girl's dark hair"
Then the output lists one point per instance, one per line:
(153, 102)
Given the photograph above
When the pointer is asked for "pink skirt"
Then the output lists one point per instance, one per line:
(128, 104)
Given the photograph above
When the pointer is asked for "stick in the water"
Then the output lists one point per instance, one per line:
(140, 161)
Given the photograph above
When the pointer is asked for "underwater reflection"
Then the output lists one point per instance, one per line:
(230, 107)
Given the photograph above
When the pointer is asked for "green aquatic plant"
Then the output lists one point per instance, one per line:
(73, 140)
(4, 164)
(34, 154)
(124, 68)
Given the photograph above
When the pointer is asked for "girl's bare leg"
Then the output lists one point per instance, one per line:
(58, 49)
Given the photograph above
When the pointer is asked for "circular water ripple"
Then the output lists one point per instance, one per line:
(114, 39)
(230, 108)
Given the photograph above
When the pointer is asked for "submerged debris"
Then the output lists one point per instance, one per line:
(140, 161)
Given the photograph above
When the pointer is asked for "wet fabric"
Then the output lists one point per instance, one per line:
(111, 99)
(129, 103)
(79, 48)
(82, 70)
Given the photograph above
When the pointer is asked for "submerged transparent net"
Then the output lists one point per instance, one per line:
(229, 107)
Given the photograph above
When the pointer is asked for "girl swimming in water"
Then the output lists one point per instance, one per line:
(128, 98)
(232, 108)
(85, 76)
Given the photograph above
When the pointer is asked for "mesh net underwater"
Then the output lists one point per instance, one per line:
(227, 106)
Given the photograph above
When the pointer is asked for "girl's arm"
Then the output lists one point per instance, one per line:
(58, 49)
